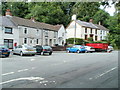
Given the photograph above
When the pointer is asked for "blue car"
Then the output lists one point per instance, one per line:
(4, 51)
(76, 48)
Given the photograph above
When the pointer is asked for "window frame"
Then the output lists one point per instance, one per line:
(10, 29)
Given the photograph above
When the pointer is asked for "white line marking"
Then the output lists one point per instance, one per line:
(22, 70)
(105, 72)
(7, 73)
(32, 59)
(33, 67)
(25, 78)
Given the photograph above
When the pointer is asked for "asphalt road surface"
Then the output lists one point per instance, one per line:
(61, 70)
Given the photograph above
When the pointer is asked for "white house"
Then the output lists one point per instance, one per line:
(9, 33)
(24, 31)
(84, 30)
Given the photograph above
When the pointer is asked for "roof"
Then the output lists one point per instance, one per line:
(6, 22)
(90, 25)
(30, 23)
(86, 24)
(101, 27)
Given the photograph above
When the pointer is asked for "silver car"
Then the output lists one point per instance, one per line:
(24, 50)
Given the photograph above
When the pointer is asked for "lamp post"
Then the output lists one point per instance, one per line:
(74, 18)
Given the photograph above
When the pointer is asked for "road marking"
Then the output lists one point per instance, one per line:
(33, 67)
(32, 59)
(25, 78)
(105, 72)
(8, 73)
(22, 70)
(100, 75)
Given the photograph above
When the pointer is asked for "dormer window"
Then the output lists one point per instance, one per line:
(8, 30)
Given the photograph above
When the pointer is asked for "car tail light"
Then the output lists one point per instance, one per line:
(44, 49)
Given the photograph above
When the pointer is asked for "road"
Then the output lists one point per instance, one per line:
(61, 70)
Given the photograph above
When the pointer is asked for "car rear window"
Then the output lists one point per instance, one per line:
(28, 46)
(46, 47)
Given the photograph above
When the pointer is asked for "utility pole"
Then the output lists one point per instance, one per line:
(74, 18)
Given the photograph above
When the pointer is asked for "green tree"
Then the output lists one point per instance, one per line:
(102, 17)
(85, 10)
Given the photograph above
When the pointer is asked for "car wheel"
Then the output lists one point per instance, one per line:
(7, 55)
(50, 53)
(33, 54)
(78, 51)
(21, 53)
(68, 51)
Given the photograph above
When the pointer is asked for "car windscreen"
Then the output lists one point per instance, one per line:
(2, 46)
(46, 47)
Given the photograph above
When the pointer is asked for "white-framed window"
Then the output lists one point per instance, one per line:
(101, 32)
(25, 31)
(37, 41)
(55, 34)
(25, 40)
(86, 30)
(46, 33)
(8, 30)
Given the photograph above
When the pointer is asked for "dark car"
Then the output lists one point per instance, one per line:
(43, 49)
(4, 51)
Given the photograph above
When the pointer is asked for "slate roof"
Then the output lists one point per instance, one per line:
(17, 21)
(101, 27)
(87, 24)
(6, 22)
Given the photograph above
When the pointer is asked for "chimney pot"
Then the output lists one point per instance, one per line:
(91, 20)
(8, 12)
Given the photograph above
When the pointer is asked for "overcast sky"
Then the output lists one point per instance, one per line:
(110, 10)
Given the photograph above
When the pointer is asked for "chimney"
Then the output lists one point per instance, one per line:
(33, 19)
(91, 20)
(99, 23)
(8, 12)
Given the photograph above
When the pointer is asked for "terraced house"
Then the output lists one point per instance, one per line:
(85, 30)
(16, 30)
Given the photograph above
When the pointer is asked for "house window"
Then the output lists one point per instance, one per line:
(96, 31)
(54, 41)
(95, 38)
(30, 41)
(8, 43)
(85, 37)
(46, 34)
(91, 30)
(8, 30)
(25, 31)
(101, 32)
(46, 41)
(55, 34)
(37, 41)
(85, 30)
(25, 40)
(101, 38)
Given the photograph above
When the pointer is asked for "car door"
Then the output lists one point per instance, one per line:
(74, 49)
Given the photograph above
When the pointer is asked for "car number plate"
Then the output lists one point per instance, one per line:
(5, 53)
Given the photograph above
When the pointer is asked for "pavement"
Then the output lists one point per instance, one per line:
(61, 70)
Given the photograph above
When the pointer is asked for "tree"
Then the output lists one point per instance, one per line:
(85, 10)
(102, 17)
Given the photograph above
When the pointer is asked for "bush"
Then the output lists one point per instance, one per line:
(78, 41)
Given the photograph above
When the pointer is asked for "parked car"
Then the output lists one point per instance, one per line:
(4, 51)
(110, 48)
(90, 49)
(76, 48)
(24, 50)
(43, 49)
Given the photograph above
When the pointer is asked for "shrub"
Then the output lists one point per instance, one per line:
(78, 41)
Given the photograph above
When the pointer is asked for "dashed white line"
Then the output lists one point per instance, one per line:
(22, 70)
(105, 72)
(32, 59)
(25, 78)
(8, 73)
